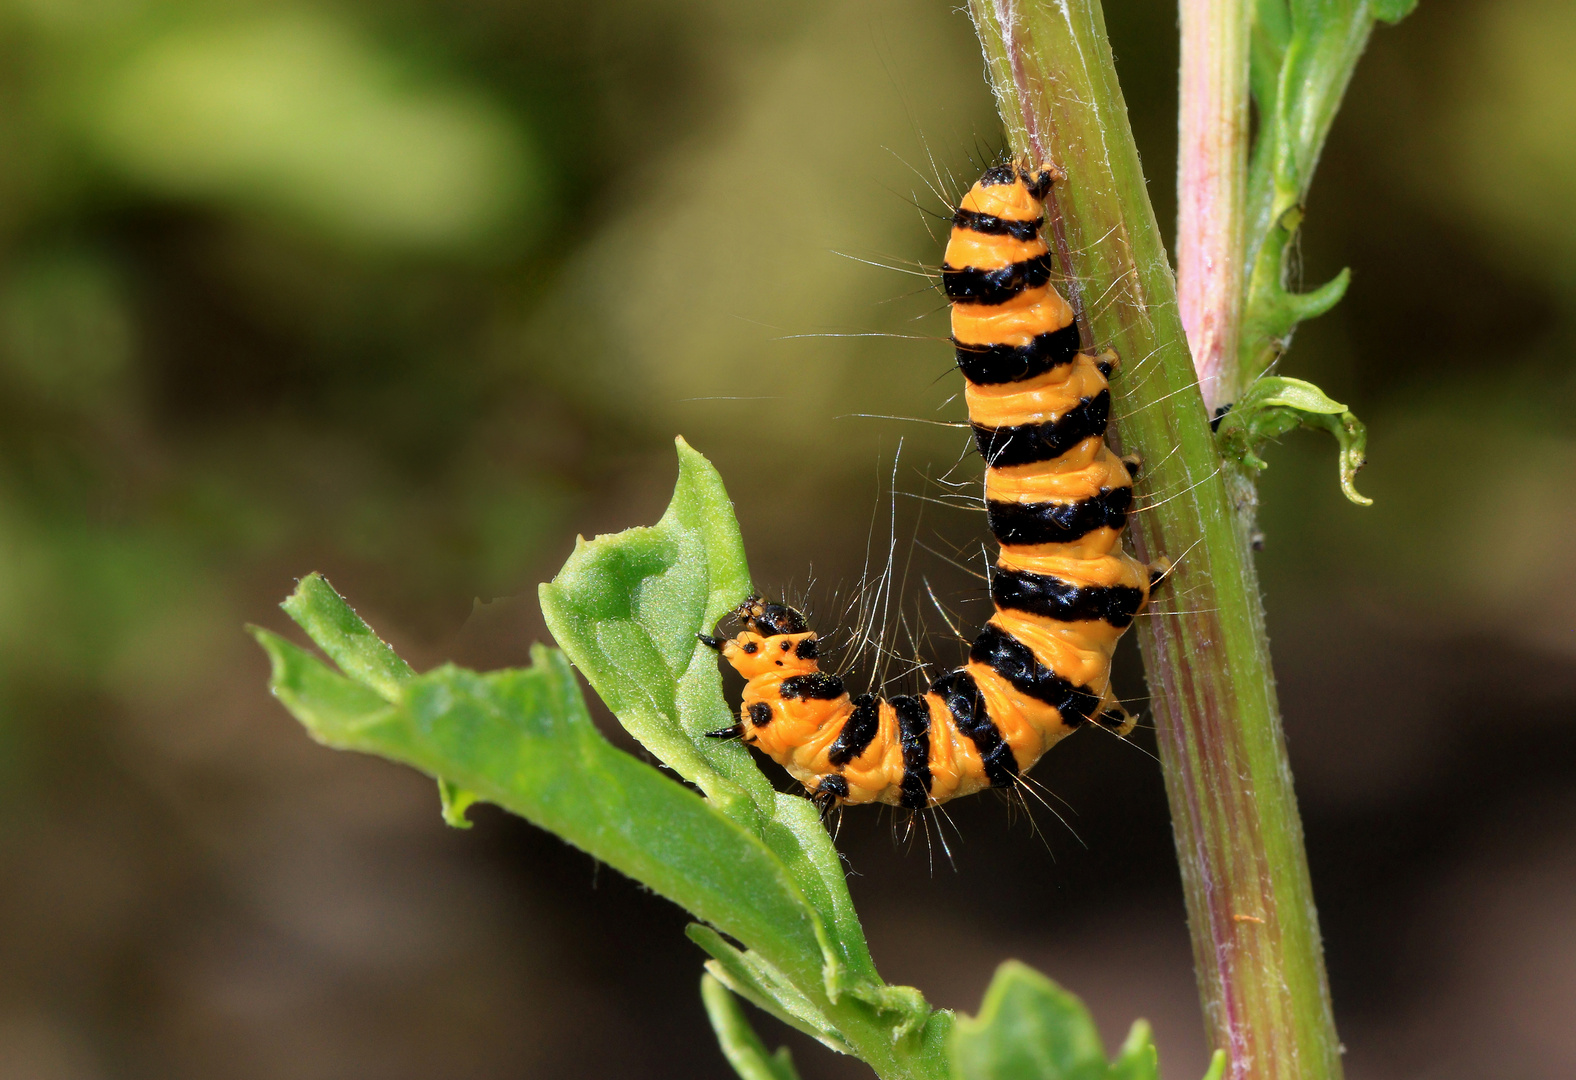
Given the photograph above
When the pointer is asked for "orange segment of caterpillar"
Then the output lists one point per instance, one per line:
(1064, 588)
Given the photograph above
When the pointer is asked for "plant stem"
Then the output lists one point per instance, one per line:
(1239, 841)
(1212, 169)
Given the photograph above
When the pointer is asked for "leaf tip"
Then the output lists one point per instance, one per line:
(303, 590)
(455, 801)
(1392, 11)
(270, 643)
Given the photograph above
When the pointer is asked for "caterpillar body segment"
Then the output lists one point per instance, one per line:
(1057, 500)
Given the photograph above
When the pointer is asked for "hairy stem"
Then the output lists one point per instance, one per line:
(1212, 169)
(1239, 840)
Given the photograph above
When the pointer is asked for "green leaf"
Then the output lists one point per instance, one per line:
(754, 863)
(1302, 56)
(753, 978)
(740, 1045)
(1031, 1029)
(1353, 439)
(1272, 22)
(345, 637)
(522, 739)
(1028, 1029)
(1276, 405)
(1289, 393)
(1267, 49)
(1302, 306)
(334, 710)
(626, 609)
(795, 833)
(1138, 1059)
(365, 657)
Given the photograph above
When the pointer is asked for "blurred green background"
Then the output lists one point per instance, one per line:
(412, 292)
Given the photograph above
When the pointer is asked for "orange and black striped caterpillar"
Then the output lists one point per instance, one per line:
(1057, 500)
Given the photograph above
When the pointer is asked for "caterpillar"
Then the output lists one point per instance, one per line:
(1056, 498)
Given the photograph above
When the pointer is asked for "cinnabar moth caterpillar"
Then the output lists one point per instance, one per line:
(1064, 589)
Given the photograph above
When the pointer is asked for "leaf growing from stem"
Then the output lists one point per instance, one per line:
(1276, 405)
(1302, 58)
(1029, 1028)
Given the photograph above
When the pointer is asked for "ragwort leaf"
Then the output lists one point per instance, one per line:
(522, 739)
(627, 608)
(740, 1045)
(1028, 1028)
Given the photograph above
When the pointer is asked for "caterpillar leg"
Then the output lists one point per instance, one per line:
(1108, 362)
(1133, 463)
(829, 793)
(1117, 719)
(1159, 570)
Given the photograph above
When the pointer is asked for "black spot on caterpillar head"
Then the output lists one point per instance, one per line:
(998, 175)
(768, 619)
(760, 714)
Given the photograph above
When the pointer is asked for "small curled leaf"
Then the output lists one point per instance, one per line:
(1353, 439)
(1276, 405)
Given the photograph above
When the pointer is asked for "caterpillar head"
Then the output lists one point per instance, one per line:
(768, 619)
(1038, 179)
(773, 638)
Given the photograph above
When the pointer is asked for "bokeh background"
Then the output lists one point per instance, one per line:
(412, 292)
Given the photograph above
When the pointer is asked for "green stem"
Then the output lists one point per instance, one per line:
(1239, 840)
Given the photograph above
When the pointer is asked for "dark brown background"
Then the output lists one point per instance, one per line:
(413, 292)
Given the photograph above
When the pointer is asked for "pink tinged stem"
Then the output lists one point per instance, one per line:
(1212, 169)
